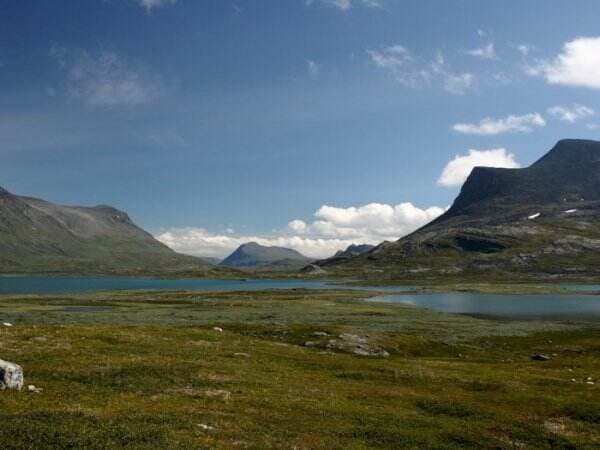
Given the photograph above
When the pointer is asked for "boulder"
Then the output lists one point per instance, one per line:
(356, 345)
(11, 375)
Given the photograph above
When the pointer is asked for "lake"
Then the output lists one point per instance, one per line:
(576, 306)
(74, 285)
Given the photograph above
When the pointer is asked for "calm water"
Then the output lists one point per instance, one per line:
(64, 285)
(513, 306)
(576, 305)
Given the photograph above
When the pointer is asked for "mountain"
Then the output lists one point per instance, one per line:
(38, 236)
(211, 260)
(542, 221)
(354, 250)
(256, 256)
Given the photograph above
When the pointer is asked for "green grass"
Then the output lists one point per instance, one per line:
(145, 369)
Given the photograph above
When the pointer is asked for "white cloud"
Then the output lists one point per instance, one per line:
(524, 49)
(457, 170)
(105, 79)
(486, 52)
(313, 68)
(413, 73)
(334, 229)
(150, 4)
(571, 113)
(458, 84)
(577, 65)
(510, 124)
(345, 5)
(398, 61)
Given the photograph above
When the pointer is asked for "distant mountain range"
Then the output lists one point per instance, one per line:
(39, 236)
(542, 221)
(256, 256)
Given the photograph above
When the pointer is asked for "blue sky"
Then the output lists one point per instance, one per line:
(310, 124)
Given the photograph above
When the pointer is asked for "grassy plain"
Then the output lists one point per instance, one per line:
(147, 370)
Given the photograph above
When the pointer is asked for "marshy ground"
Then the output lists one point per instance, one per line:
(148, 370)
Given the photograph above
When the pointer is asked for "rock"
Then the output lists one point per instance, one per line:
(540, 357)
(218, 393)
(320, 334)
(242, 355)
(353, 338)
(33, 389)
(590, 382)
(370, 351)
(219, 329)
(11, 375)
(310, 344)
(205, 427)
(356, 345)
(7, 324)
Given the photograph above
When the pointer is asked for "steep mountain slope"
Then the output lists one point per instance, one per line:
(39, 236)
(542, 221)
(354, 250)
(253, 255)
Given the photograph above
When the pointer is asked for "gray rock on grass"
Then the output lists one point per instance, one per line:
(11, 376)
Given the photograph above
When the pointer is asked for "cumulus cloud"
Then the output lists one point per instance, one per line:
(105, 79)
(577, 65)
(458, 169)
(333, 229)
(486, 52)
(412, 72)
(345, 5)
(148, 5)
(571, 113)
(511, 124)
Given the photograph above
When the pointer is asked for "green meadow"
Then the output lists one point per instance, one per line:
(149, 370)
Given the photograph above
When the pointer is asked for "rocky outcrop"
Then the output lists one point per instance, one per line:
(11, 375)
(356, 345)
(542, 222)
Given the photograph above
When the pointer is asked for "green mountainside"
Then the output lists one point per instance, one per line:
(37, 236)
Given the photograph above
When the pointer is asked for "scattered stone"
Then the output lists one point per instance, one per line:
(219, 329)
(573, 380)
(310, 344)
(7, 324)
(33, 389)
(241, 355)
(38, 339)
(218, 393)
(320, 334)
(590, 382)
(205, 427)
(11, 376)
(356, 345)
(540, 357)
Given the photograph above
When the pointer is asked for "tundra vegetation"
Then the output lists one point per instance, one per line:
(278, 369)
